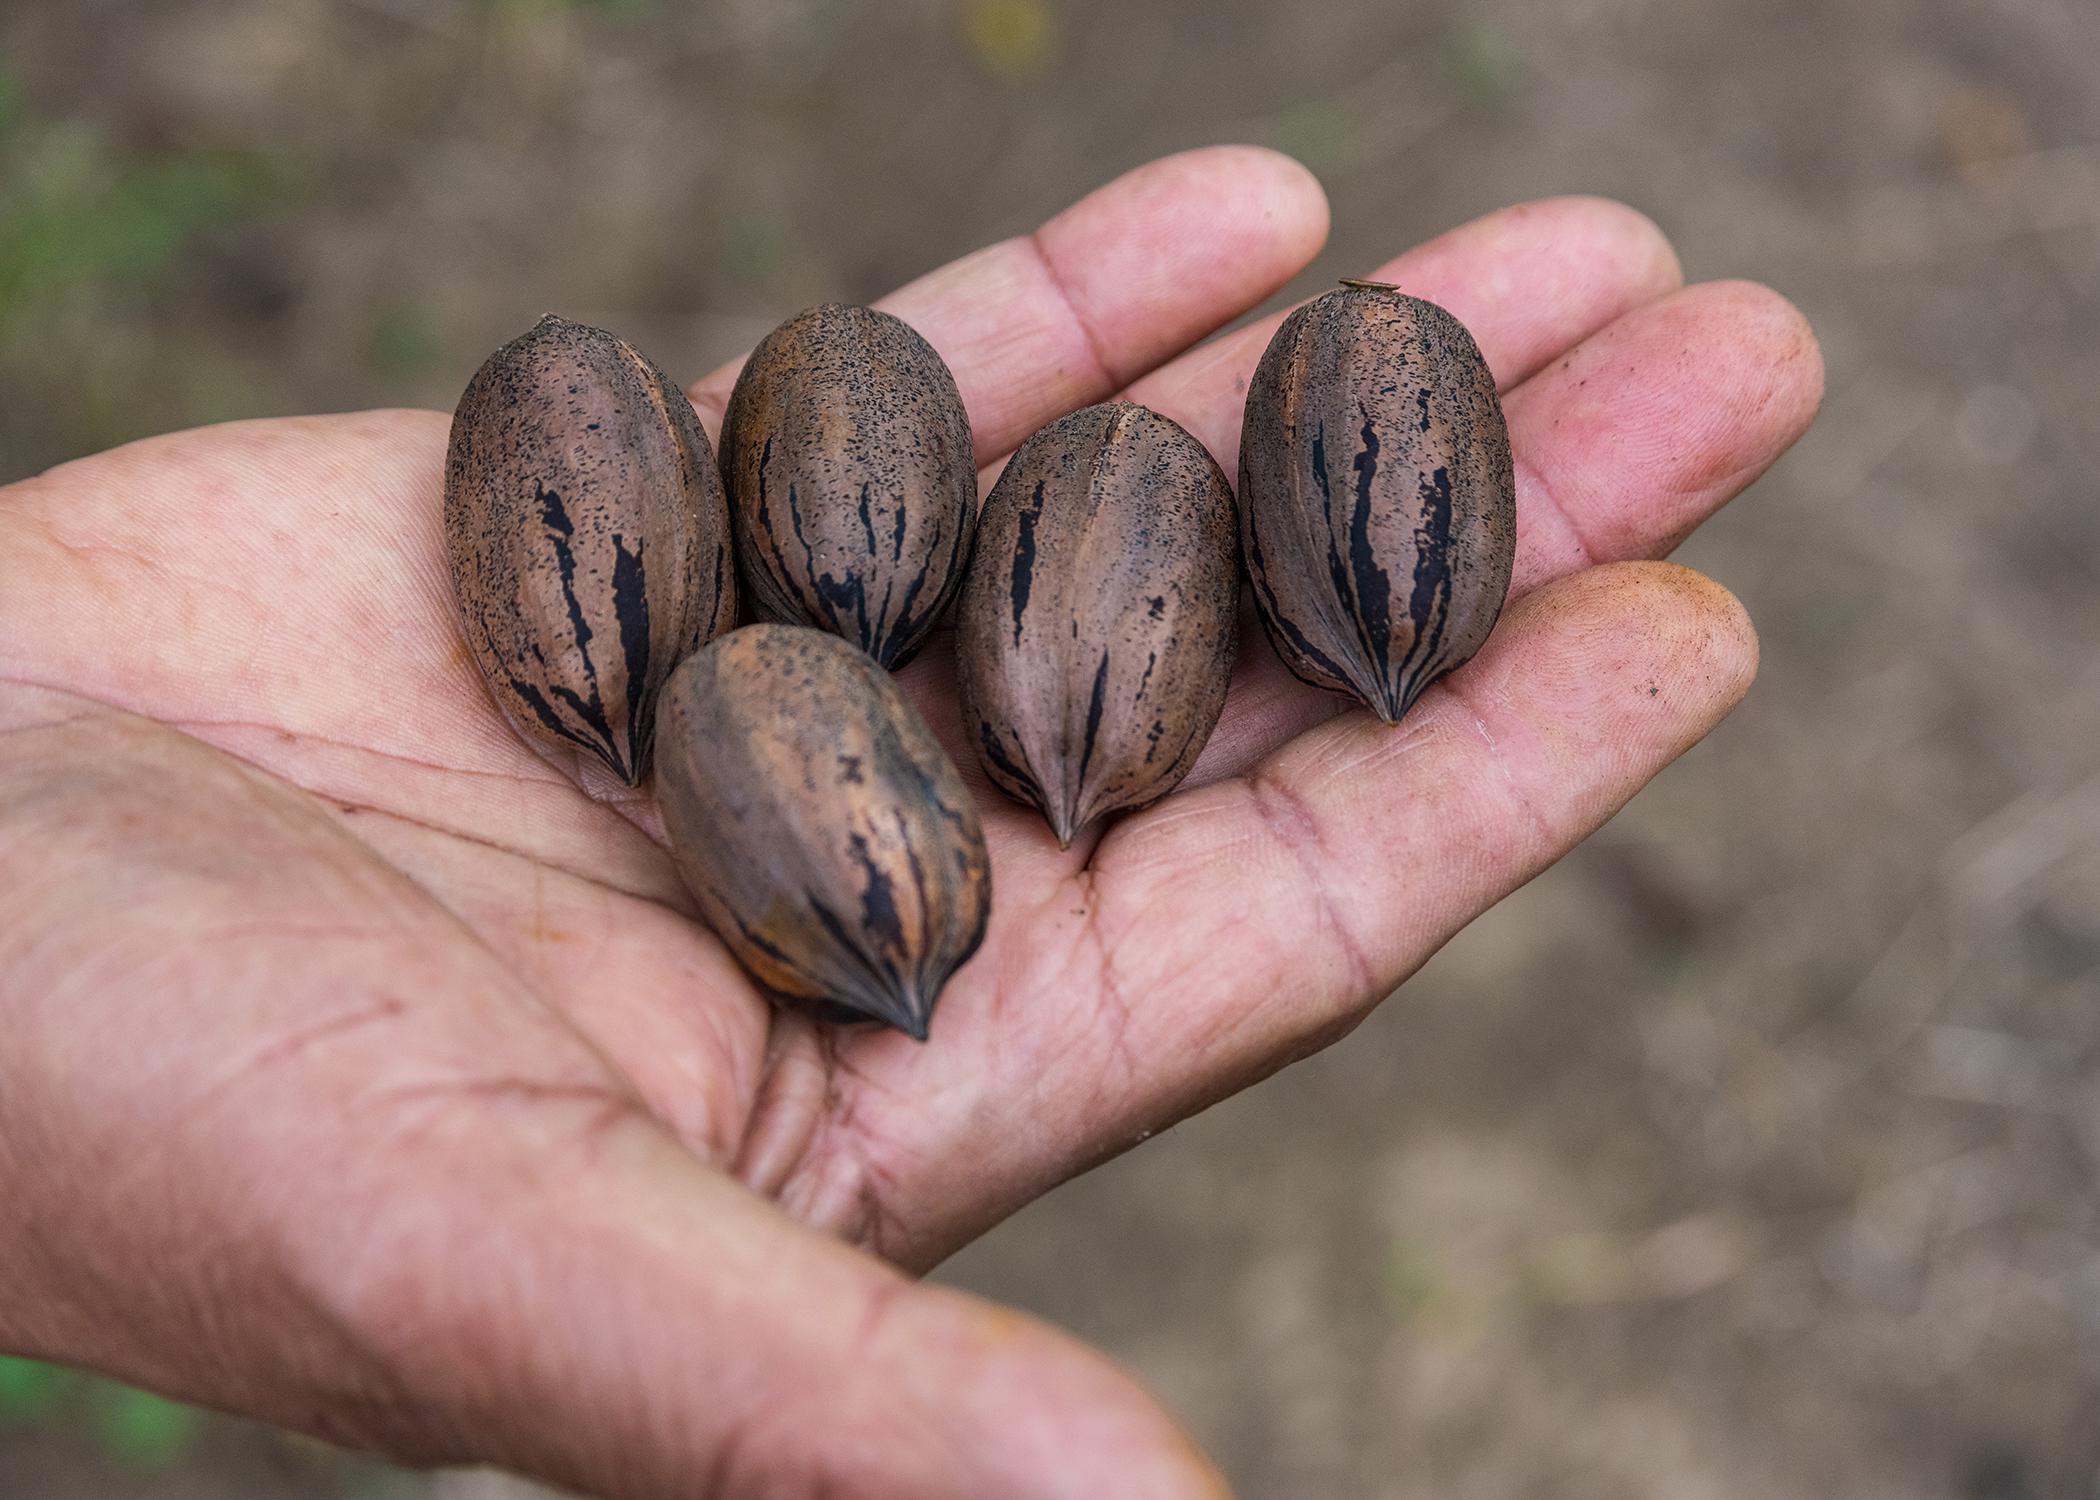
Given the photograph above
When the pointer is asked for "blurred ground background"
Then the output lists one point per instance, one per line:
(1751, 1153)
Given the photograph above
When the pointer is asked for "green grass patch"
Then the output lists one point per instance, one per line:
(144, 1431)
(30, 1391)
(78, 217)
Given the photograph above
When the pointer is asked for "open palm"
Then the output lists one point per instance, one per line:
(362, 1070)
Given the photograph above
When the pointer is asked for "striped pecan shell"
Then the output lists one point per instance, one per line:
(1377, 503)
(852, 477)
(588, 538)
(825, 833)
(1094, 640)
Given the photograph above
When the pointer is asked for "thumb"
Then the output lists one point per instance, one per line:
(653, 1329)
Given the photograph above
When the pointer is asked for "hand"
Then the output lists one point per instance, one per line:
(363, 1071)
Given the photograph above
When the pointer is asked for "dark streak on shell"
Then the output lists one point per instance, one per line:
(851, 473)
(588, 538)
(1095, 637)
(1377, 502)
(824, 831)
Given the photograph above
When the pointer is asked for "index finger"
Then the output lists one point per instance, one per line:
(1121, 281)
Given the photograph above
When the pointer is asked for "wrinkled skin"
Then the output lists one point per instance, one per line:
(365, 1072)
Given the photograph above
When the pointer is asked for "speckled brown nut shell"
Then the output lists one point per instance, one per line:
(1094, 640)
(824, 831)
(851, 474)
(1377, 504)
(588, 536)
